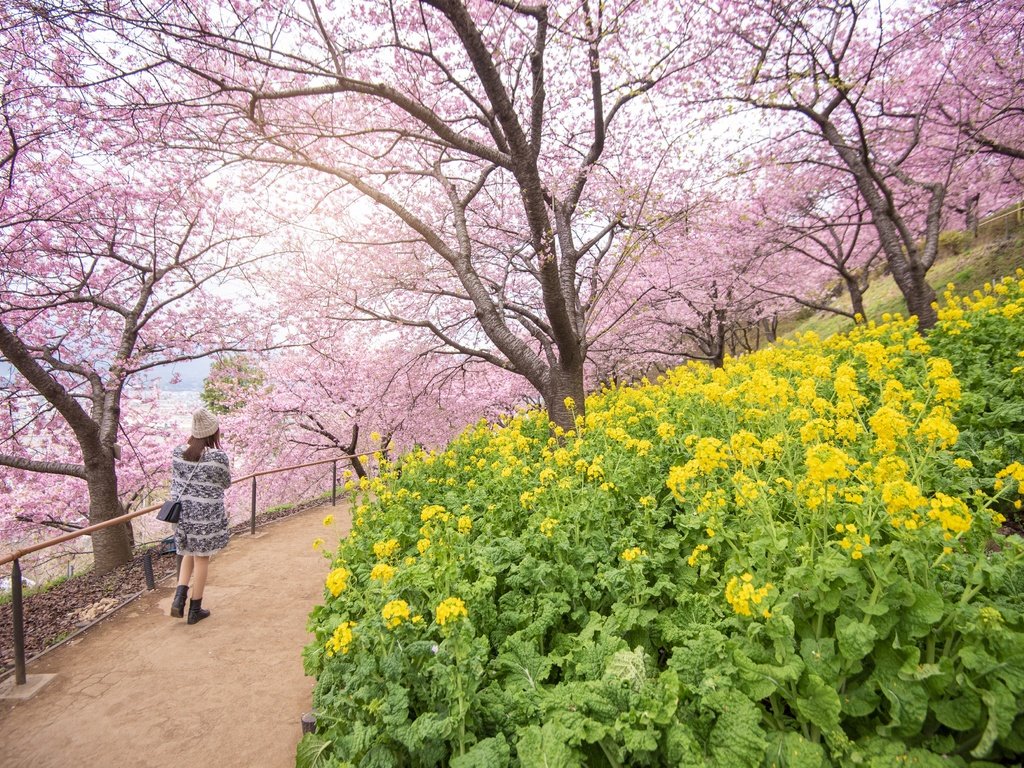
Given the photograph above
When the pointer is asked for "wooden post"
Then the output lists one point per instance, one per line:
(252, 517)
(19, 624)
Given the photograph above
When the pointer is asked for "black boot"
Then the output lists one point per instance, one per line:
(178, 603)
(196, 612)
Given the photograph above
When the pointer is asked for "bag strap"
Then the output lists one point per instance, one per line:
(185, 484)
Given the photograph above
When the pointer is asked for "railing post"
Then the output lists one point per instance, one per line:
(308, 721)
(19, 624)
(252, 518)
(147, 569)
(334, 484)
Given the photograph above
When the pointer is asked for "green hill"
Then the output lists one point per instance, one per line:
(965, 260)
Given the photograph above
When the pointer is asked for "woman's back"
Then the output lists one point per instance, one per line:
(203, 480)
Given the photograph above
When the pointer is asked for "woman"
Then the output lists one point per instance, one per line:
(199, 475)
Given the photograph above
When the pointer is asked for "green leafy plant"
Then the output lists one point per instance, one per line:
(789, 561)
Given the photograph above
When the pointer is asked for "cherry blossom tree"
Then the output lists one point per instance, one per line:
(695, 295)
(365, 392)
(114, 247)
(506, 147)
(980, 46)
(106, 291)
(819, 242)
(854, 87)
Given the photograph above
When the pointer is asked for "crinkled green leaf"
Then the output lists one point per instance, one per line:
(759, 681)
(792, 750)
(962, 713)
(521, 664)
(627, 668)
(736, 738)
(546, 748)
(1001, 711)
(819, 702)
(926, 611)
(313, 751)
(489, 753)
(682, 750)
(820, 656)
(856, 639)
(908, 707)
(860, 700)
(430, 726)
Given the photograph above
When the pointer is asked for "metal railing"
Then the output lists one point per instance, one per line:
(17, 605)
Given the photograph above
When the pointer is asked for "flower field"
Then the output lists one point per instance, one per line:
(794, 560)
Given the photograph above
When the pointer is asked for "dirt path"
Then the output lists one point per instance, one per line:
(142, 689)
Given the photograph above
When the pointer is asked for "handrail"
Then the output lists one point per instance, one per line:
(302, 466)
(131, 515)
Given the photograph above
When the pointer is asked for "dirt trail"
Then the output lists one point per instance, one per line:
(142, 689)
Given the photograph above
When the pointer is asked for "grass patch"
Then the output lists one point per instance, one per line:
(967, 269)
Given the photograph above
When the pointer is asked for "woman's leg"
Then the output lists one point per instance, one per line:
(181, 593)
(202, 567)
(185, 573)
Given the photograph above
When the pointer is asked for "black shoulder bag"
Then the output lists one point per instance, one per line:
(170, 510)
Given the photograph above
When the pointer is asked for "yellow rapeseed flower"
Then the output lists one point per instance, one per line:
(329, 520)
(633, 553)
(382, 572)
(337, 580)
(695, 555)
(385, 549)
(741, 594)
(890, 426)
(826, 463)
(394, 613)
(341, 639)
(449, 609)
(432, 510)
(952, 513)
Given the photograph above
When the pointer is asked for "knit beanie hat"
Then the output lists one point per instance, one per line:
(203, 424)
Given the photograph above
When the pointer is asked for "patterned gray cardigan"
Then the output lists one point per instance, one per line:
(203, 528)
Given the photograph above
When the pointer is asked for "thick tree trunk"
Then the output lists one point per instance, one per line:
(563, 382)
(111, 546)
(918, 294)
(897, 244)
(856, 295)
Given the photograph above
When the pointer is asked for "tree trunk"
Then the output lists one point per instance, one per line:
(350, 449)
(893, 234)
(971, 214)
(565, 381)
(719, 330)
(111, 546)
(918, 294)
(856, 296)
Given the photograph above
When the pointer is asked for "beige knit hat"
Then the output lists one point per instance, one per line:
(203, 424)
